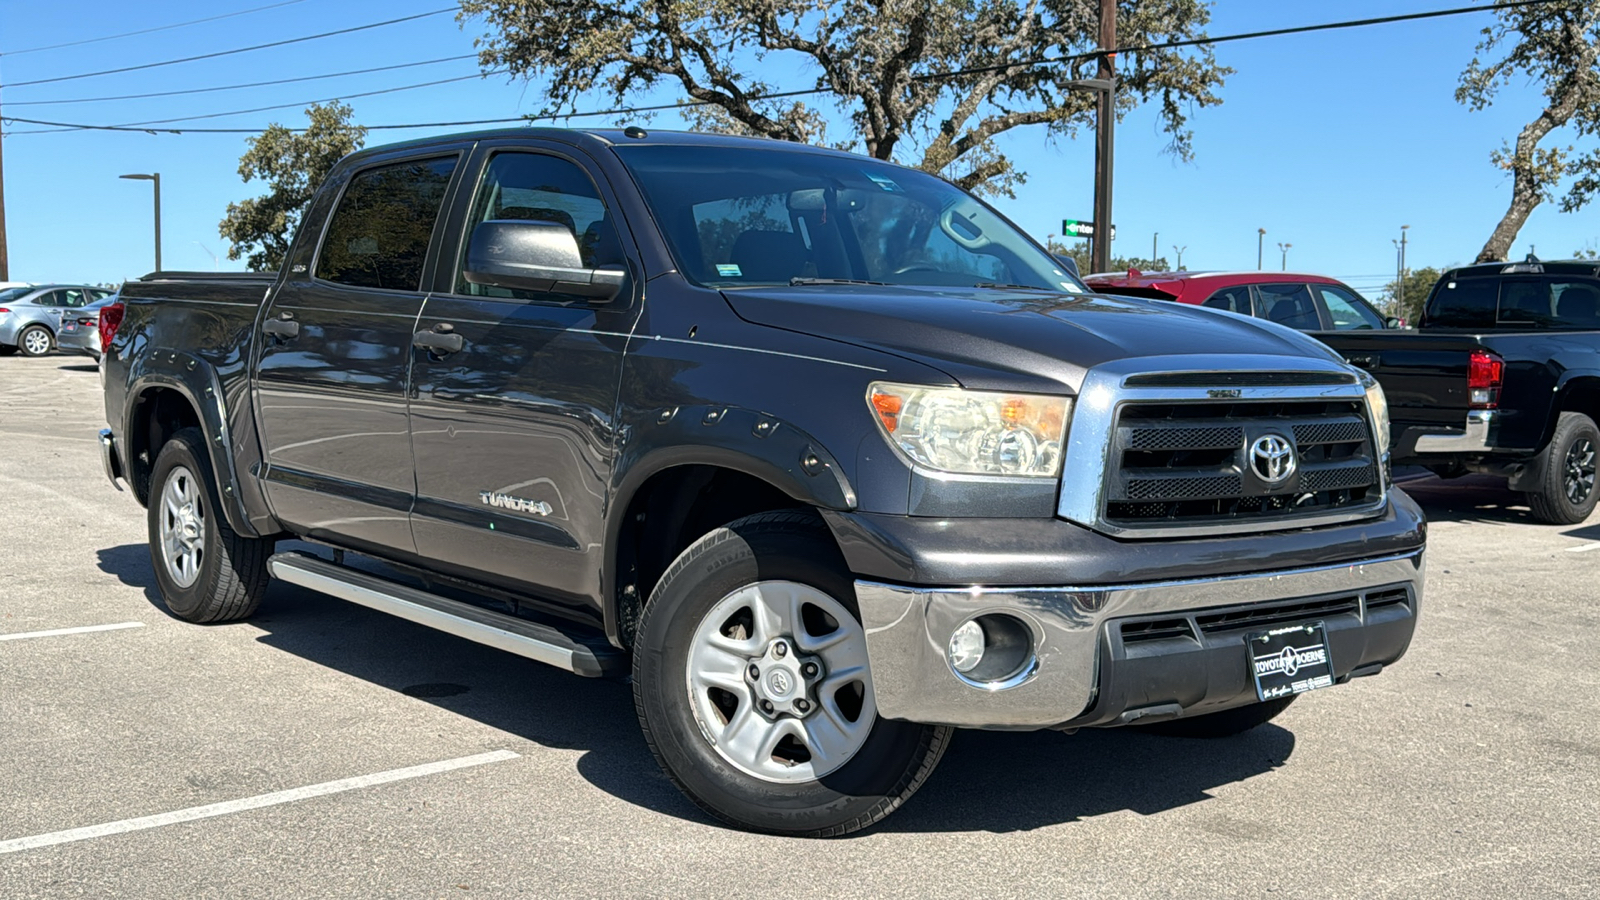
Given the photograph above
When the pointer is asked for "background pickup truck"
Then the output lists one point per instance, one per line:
(1502, 377)
(823, 453)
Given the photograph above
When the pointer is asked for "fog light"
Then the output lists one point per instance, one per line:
(966, 647)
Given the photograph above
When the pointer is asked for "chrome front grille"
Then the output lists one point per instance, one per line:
(1180, 463)
(1162, 447)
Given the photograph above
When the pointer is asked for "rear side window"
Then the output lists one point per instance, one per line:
(1549, 303)
(1464, 303)
(378, 236)
(1289, 304)
(1233, 299)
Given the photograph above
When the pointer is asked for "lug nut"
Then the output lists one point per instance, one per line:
(780, 650)
(766, 706)
(755, 672)
(809, 670)
(802, 704)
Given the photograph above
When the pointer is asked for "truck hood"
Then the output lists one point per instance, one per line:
(1014, 340)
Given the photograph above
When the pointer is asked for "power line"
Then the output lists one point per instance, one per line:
(112, 37)
(628, 110)
(304, 103)
(252, 84)
(173, 62)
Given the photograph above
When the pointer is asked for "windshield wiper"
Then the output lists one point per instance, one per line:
(997, 286)
(798, 281)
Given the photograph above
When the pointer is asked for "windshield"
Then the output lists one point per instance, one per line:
(738, 218)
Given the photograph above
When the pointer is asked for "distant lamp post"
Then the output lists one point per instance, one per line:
(1261, 238)
(1400, 270)
(1179, 250)
(1284, 249)
(156, 179)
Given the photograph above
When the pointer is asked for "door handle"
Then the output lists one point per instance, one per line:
(439, 340)
(283, 328)
(1363, 360)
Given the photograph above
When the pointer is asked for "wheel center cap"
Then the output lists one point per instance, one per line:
(779, 682)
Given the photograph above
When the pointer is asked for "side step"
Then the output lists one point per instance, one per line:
(592, 657)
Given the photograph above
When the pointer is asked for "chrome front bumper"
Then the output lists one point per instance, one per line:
(909, 628)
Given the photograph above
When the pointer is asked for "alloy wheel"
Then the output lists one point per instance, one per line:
(183, 527)
(1578, 478)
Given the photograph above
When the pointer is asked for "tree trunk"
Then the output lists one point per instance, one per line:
(1524, 197)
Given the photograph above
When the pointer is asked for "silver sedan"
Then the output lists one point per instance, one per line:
(80, 328)
(30, 317)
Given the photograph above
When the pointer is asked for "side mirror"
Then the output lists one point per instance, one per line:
(1394, 322)
(537, 256)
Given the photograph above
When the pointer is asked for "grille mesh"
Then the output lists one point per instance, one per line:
(1219, 438)
(1342, 432)
(1183, 488)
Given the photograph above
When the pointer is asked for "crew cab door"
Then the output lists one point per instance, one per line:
(335, 357)
(514, 428)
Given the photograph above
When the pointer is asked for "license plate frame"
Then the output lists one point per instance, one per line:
(1290, 659)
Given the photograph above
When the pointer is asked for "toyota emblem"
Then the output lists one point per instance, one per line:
(1273, 458)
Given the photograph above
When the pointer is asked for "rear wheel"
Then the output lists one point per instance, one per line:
(753, 688)
(1223, 724)
(205, 571)
(1568, 495)
(35, 340)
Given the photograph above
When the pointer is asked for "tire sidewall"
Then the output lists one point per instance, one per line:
(878, 770)
(1569, 430)
(188, 603)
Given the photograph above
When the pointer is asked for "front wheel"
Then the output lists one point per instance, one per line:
(1567, 495)
(752, 685)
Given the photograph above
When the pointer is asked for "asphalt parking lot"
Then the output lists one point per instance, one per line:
(323, 749)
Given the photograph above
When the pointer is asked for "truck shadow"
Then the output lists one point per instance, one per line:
(1470, 498)
(1038, 781)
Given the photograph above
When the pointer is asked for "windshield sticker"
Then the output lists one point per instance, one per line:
(1071, 288)
(729, 270)
(885, 182)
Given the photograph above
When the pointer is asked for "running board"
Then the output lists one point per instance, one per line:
(592, 657)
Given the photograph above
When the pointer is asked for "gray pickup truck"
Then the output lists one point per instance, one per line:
(823, 453)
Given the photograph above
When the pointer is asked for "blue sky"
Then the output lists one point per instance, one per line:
(1329, 141)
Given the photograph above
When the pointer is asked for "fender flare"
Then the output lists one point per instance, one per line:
(197, 382)
(735, 438)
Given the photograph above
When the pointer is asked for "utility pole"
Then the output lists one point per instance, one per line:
(5, 257)
(1105, 143)
(1179, 250)
(1400, 270)
(1284, 249)
(1261, 237)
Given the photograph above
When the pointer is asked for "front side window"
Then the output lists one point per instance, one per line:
(378, 236)
(1549, 302)
(1233, 299)
(537, 187)
(1289, 304)
(736, 218)
(1346, 311)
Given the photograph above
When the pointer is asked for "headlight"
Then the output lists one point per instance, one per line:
(973, 432)
(1379, 404)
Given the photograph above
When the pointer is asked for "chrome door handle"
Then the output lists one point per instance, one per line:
(283, 328)
(438, 341)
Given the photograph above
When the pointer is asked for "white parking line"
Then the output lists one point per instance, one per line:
(257, 802)
(82, 629)
(1584, 548)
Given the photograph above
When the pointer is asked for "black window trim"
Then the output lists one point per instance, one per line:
(443, 277)
(429, 261)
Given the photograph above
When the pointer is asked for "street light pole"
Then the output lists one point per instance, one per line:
(154, 178)
(1104, 144)
(1153, 239)
(1179, 250)
(1400, 270)
(1261, 237)
(1284, 249)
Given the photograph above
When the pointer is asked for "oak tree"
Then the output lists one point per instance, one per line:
(927, 83)
(293, 165)
(1557, 47)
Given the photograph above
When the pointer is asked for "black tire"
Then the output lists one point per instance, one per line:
(30, 331)
(1568, 493)
(232, 570)
(894, 759)
(1223, 724)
